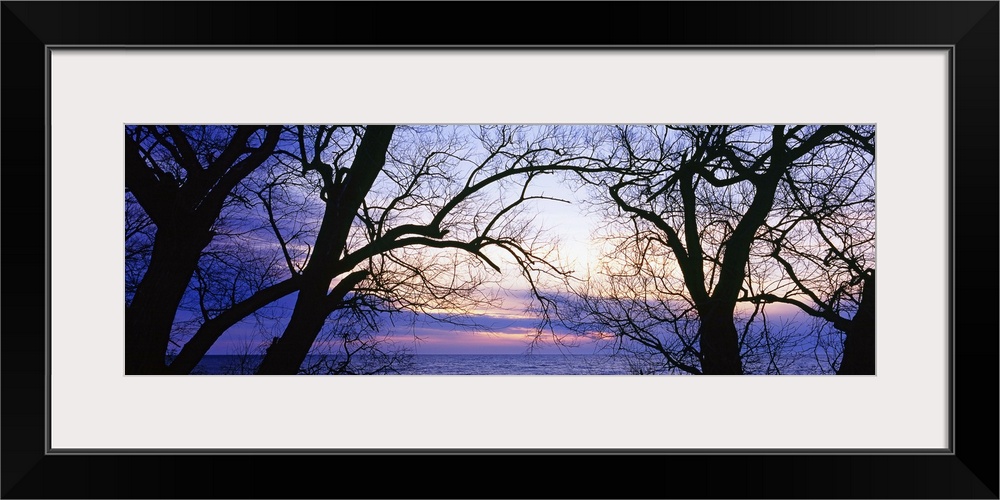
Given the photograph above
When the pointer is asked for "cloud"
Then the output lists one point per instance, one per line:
(503, 330)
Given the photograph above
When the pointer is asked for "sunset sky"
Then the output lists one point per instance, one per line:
(573, 229)
(503, 330)
(509, 328)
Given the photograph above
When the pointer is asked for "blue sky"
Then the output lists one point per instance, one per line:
(506, 326)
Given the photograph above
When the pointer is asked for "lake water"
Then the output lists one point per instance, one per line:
(470, 364)
(489, 364)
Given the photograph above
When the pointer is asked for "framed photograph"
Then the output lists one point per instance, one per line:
(908, 88)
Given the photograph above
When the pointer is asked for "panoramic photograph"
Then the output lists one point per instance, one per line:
(498, 249)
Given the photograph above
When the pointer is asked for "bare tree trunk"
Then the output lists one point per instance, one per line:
(286, 354)
(183, 214)
(719, 340)
(150, 316)
(859, 346)
(313, 303)
(210, 331)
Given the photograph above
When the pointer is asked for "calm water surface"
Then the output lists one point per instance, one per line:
(466, 364)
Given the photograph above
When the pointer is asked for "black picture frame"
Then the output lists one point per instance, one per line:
(969, 470)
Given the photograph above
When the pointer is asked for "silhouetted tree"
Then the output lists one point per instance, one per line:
(182, 177)
(693, 203)
(411, 242)
(356, 222)
(825, 246)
